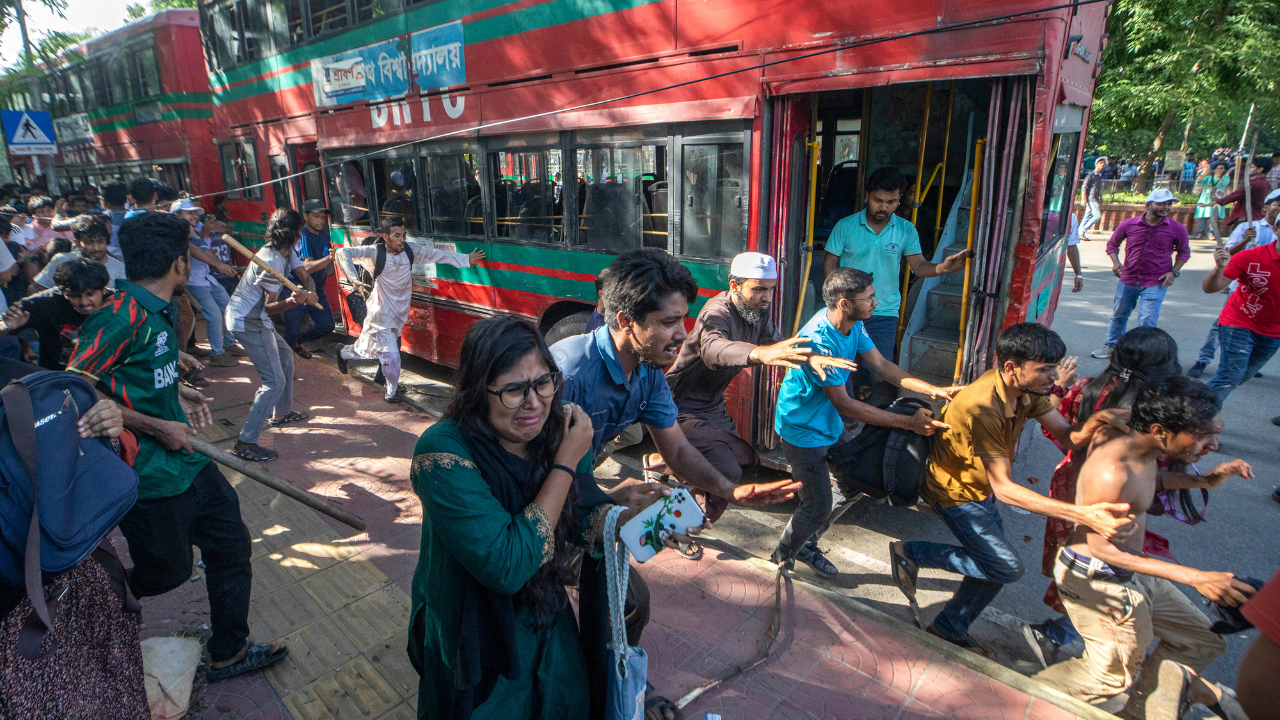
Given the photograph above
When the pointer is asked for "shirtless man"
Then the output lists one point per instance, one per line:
(1117, 597)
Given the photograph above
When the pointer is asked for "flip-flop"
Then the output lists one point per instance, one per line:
(256, 657)
(293, 417)
(905, 574)
(652, 475)
(656, 702)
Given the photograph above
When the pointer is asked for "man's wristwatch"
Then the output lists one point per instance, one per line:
(1176, 273)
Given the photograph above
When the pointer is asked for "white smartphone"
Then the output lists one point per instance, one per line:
(644, 533)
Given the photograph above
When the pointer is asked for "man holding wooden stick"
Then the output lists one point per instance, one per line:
(129, 349)
(254, 300)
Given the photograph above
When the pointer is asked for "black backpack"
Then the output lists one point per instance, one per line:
(884, 462)
(355, 302)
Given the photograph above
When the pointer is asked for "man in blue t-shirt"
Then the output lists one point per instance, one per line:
(315, 251)
(813, 404)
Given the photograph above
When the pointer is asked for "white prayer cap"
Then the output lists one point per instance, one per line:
(1273, 195)
(754, 266)
(1160, 195)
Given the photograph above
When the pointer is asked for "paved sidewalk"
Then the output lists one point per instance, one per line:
(340, 599)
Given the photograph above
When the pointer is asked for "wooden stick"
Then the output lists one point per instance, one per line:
(1248, 193)
(254, 471)
(253, 258)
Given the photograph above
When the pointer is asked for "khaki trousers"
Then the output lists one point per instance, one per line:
(1118, 622)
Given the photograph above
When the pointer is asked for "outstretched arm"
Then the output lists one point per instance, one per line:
(896, 375)
(924, 268)
(688, 464)
(1112, 519)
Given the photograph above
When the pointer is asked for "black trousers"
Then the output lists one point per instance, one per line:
(160, 534)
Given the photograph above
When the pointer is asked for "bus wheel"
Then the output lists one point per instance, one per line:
(568, 326)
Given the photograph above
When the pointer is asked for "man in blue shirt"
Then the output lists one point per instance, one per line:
(875, 241)
(314, 249)
(813, 403)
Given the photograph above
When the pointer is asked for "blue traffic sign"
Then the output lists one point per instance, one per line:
(29, 132)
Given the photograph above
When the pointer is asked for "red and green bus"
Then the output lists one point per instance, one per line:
(136, 105)
(349, 100)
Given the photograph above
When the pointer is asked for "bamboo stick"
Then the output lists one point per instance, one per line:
(253, 258)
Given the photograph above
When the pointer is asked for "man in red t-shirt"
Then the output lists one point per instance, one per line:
(1249, 326)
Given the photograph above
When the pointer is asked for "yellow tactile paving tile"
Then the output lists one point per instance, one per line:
(376, 618)
(283, 611)
(355, 690)
(314, 650)
(344, 583)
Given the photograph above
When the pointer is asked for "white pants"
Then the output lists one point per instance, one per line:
(390, 362)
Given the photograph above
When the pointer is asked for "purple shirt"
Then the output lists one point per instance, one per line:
(1148, 249)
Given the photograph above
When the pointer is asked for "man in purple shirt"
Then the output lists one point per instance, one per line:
(1149, 268)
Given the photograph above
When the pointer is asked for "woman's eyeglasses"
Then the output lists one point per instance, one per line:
(514, 395)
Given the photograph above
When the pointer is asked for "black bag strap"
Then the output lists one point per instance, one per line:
(381, 262)
(21, 419)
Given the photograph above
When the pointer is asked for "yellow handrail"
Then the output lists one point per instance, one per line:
(968, 263)
(946, 149)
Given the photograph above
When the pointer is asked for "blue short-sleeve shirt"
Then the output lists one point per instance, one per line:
(805, 416)
(860, 248)
(593, 378)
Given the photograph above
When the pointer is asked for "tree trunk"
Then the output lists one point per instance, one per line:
(1145, 169)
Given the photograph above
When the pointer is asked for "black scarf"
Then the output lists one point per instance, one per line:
(486, 648)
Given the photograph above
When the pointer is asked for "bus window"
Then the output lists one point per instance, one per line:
(280, 189)
(713, 201)
(142, 68)
(297, 31)
(348, 198)
(453, 194)
(312, 182)
(240, 169)
(528, 195)
(327, 16)
(394, 186)
(617, 188)
(1057, 192)
(375, 9)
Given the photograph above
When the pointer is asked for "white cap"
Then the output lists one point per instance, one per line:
(754, 266)
(1160, 195)
(1273, 195)
(184, 204)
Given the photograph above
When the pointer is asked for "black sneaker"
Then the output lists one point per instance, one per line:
(1197, 370)
(1275, 420)
(1276, 495)
(342, 364)
(1045, 650)
(810, 555)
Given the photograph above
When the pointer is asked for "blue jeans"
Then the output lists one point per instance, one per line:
(1147, 300)
(321, 319)
(1210, 347)
(213, 306)
(1092, 214)
(1244, 352)
(985, 558)
(821, 501)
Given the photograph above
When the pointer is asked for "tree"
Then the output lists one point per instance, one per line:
(136, 11)
(1193, 59)
(51, 51)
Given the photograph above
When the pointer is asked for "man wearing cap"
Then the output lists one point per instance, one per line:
(730, 335)
(313, 248)
(1150, 244)
(1245, 236)
(207, 291)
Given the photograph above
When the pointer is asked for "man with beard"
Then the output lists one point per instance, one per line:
(57, 313)
(972, 464)
(1177, 417)
(129, 350)
(615, 375)
(730, 335)
(814, 402)
(92, 234)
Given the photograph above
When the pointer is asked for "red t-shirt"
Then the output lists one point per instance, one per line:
(1255, 304)
(1263, 609)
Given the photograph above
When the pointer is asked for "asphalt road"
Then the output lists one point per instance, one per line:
(1240, 534)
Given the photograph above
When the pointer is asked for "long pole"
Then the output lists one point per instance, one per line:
(812, 144)
(1235, 184)
(37, 94)
(253, 258)
(254, 471)
(1248, 193)
(968, 263)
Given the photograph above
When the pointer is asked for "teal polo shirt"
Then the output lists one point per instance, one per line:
(860, 248)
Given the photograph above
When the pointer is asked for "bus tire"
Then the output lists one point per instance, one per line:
(568, 326)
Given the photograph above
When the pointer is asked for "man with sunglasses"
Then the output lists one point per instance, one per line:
(392, 292)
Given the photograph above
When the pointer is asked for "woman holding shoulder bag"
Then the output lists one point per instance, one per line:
(507, 492)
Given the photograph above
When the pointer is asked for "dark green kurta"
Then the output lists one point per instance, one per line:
(465, 530)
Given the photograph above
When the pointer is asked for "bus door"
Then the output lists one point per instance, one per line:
(306, 160)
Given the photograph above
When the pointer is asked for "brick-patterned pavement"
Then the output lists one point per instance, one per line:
(340, 599)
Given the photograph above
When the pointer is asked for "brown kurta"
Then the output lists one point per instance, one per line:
(714, 353)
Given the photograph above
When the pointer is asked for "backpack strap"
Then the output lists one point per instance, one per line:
(20, 417)
(408, 250)
(381, 262)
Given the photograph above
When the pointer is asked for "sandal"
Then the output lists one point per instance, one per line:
(966, 641)
(905, 574)
(689, 551)
(292, 417)
(256, 657)
(655, 707)
(302, 352)
(651, 475)
(253, 452)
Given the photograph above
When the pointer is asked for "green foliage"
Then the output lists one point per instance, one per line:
(51, 51)
(9, 10)
(1204, 60)
(137, 11)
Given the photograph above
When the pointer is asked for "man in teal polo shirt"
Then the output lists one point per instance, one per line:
(874, 240)
(129, 349)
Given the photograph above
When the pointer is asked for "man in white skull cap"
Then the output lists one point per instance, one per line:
(733, 331)
(389, 261)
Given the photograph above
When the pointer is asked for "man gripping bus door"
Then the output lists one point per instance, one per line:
(391, 294)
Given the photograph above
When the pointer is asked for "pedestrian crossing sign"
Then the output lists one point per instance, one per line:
(29, 132)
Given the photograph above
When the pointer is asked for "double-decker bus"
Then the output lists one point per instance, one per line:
(136, 105)
(349, 100)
